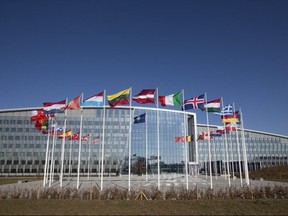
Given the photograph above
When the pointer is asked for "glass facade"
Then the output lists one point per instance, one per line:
(262, 150)
(23, 148)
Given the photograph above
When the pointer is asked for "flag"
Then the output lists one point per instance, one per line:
(227, 110)
(37, 115)
(194, 103)
(204, 136)
(67, 134)
(189, 138)
(75, 136)
(95, 139)
(212, 106)
(230, 118)
(182, 139)
(41, 124)
(54, 107)
(230, 126)
(96, 100)
(145, 96)
(121, 97)
(140, 118)
(74, 104)
(85, 138)
(179, 139)
(172, 100)
(215, 133)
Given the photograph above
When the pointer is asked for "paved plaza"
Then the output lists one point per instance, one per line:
(136, 182)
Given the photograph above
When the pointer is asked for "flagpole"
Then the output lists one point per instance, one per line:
(89, 156)
(238, 151)
(52, 156)
(244, 150)
(158, 142)
(146, 145)
(226, 149)
(129, 150)
(79, 150)
(63, 147)
(215, 158)
(209, 143)
(49, 161)
(231, 151)
(46, 156)
(103, 141)
(70, 155)
(185, 142)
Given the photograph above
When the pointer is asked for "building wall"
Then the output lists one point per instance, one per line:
(23, 149)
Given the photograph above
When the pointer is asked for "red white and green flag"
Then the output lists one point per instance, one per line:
(171, 100)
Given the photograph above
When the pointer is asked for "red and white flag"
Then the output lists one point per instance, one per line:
(145, 96)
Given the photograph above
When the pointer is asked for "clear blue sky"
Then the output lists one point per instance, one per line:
(236, 49)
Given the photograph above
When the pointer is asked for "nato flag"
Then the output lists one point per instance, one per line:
(139, 118)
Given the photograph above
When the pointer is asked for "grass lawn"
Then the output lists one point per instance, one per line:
(141, 207)
(15, 179)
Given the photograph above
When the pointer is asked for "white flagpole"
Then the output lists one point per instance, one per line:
(209, 144)
(238, 151)
(49, 164)
(215, 159)
(185, 142)
(46, 156)
(103, 141)
(244, 150)
(79, 150)
(231, 151)
(129, 150)
(158, 142)
(146, 144)
(226, 149)
(70, 155)
(52, 156)
(63, 147)
(89, 155)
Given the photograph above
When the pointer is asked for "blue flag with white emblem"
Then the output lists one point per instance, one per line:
(140, 118)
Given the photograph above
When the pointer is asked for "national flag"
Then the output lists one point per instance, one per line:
(171, 100)
(121, 98)
(212, 106)
(179, 139)
(67, 134)
(230, 126)
(95, 139)
(41, 124)
(75, 136)
(227, 110)
(85, 138)
(230, 118)
(196, 102)
(54, 107)
(140, 118)
(182, 139)
(96, 100)
(145, 96)
(74, 104)
(222, 130)
(204, 136)
(37, 115)
(215, 134)
(59, 130)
